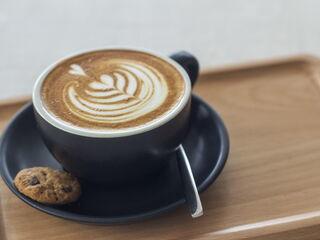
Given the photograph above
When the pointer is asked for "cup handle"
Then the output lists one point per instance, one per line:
(190, 187)
(189, 63)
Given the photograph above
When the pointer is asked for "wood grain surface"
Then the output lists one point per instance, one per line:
(269, 188)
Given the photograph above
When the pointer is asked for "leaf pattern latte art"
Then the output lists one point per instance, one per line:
(129, 91)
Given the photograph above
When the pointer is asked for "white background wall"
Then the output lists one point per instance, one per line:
(34, 33)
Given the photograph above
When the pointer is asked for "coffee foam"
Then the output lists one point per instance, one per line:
(130, 91)
(112, 89)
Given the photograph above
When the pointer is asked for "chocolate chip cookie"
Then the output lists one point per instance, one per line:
(47, 185)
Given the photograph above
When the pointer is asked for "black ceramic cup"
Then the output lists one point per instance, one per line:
(104, 157)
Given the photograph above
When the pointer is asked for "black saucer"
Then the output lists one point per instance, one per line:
(206, 145)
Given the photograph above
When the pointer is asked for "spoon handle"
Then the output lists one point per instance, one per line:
(190, 188)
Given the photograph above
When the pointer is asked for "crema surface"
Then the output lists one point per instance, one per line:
(112, 89)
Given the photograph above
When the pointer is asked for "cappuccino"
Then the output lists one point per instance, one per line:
(112, 89)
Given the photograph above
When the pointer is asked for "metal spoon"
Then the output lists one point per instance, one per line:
(190, 188)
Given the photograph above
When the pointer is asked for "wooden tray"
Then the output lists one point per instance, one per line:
(270, 188)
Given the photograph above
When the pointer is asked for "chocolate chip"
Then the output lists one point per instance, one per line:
(67, 189)
(34, 181)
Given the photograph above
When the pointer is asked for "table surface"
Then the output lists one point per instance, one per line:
(269, 188)
(35, 33)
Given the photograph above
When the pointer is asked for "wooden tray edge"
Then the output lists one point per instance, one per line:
(15, 101)
(2, 227)
(301, 58)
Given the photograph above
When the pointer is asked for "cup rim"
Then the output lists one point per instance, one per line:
(103, 133)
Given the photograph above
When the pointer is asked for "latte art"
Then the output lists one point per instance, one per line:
(112, 89)
(129, 91)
